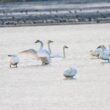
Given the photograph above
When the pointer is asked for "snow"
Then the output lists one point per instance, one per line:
(35, 87)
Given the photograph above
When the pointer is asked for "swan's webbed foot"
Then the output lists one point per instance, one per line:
(10, 65)
(45, 63)
(14, 65)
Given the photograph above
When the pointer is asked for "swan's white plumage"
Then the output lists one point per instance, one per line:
(32, 53)
(97, 51)
(70, 72)
(105, 54)
(60, 56)
(43, 54)
(13, 59)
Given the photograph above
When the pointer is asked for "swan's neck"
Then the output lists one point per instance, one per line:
(49, 49)
(41, 45)
(101, 53)
(64, 53)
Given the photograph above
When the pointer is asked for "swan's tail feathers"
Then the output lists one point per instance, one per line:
(29, 53)
(92, 53)
(101, 46)
(45, 60)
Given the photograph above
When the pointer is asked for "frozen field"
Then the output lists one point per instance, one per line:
(35, 87)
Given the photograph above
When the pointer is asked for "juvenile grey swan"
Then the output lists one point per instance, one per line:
(63, 54)
(70, 72)
(13, 60)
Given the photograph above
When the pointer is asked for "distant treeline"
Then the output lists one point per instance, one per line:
(72, 1)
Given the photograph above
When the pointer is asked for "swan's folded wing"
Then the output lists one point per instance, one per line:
(29, 53)
(43, 53)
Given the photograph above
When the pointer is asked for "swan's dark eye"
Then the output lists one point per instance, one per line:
(9, 55)
(50, 41)
(66, 47)
(37, 41)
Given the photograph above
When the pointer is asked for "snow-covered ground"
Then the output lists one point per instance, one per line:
(35, 87)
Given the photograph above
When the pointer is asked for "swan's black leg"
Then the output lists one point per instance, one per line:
(10, 65)
(43, 63)
(16, 66)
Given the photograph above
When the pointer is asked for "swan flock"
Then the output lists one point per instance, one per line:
(42, 54)
(101, 52)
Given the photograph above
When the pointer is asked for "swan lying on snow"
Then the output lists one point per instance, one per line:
(63, 54)
(70, 72)
(13, 60)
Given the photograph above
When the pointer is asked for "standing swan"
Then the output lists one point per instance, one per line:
(43, 54)
(63, 54)
(13, 60)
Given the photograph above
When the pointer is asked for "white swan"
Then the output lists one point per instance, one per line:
(63, 54)
(49, 49)
(43, 54)
(37, 54)
(105, 54)
(13, 60)
(97, 51)
(107, 49)
(70, 72)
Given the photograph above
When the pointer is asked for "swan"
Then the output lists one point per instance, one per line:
(49, 49)
(13, 60)
(107, 49)
(105, 54)
(43, 54)
(63, 54)
(70, 72)
(97, 51)
(101, 46)
(37, 54)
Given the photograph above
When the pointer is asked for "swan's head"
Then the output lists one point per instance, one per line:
(11, 55)
(37, 41)
(50, 41)
(101, 46)
(65, 46)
